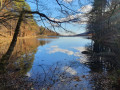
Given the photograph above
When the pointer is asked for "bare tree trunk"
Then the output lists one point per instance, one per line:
(14, 40)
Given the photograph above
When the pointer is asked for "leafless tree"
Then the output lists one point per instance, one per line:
(21, 14)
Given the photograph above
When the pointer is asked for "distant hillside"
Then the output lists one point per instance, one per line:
(7, 25)
(84, 34)
(44, 31)
(29, 27)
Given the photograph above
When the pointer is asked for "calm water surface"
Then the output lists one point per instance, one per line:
(58, 63)
(61, 64)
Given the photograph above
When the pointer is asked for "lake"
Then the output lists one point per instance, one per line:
(60, 63)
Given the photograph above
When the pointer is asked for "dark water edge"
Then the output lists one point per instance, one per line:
(68, 63)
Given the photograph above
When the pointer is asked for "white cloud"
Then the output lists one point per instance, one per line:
(79, 48)
(55, 49)
(85, 9)
(69, 70)
(81, 57)
(80, 17)
(28, 74)
(78, 54)
(68, 1)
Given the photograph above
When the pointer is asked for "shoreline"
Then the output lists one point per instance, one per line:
(10, 37)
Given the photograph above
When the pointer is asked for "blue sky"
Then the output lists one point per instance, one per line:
(52, 10)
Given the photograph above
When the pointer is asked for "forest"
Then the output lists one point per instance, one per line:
(59, 45)
(104, 20)
(9, 15)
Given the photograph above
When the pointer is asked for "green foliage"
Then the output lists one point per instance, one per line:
(21, 4)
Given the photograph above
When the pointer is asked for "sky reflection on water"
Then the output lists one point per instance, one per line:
(63, 55)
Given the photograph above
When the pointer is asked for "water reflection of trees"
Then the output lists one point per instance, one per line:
(103, 60)
(51, 78)
(59, 76)
(22, 46)
(12, 74)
